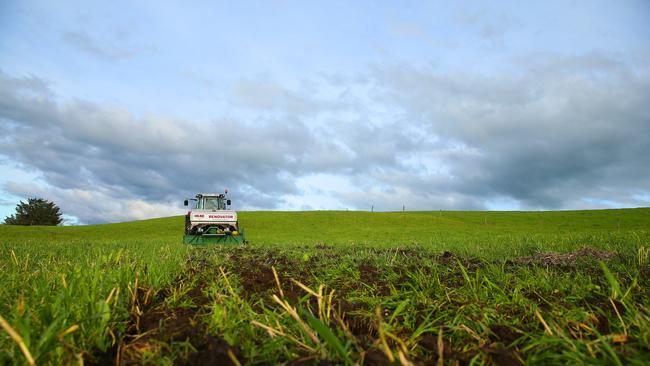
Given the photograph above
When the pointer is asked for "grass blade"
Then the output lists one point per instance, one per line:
(328, 336)
(18, 339)
(613, 282)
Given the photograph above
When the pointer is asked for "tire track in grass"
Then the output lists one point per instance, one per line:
(170, 326)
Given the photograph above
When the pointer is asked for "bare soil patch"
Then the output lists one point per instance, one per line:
(565, 259)
(154, 326)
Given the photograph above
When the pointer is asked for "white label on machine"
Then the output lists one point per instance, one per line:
(215, 216)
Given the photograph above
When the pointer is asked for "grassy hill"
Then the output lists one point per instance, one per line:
(360, 226)
(501, 233)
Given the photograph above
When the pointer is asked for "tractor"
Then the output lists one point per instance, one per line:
(210, 221)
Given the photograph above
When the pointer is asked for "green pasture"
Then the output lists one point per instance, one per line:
(70, 294)
(432, 228)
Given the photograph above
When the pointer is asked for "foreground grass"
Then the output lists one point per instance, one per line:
(349, 287)
(65, 300)
(410, 305)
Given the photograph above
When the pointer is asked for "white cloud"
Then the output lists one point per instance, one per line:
(96, 206)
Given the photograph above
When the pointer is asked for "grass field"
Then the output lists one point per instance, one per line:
(325, 287)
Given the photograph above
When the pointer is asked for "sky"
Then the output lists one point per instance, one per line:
(120, 110)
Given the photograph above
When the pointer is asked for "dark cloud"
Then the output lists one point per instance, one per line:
(559, 132)
(544, 139)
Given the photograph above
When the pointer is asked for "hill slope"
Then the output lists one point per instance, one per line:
(438, 228)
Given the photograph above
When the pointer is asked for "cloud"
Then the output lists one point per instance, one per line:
(545, 139)
(558, 132)
(489, 26)
(85, 147)
(94, 206)
(268, 96)
(102, 50)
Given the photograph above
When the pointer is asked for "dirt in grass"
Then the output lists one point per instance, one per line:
(154, 326)
(565, 259)
(505, 333)
(256, 278)
(374, 277)
(179, 325)
(255, 274)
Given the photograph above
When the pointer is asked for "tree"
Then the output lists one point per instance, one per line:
(36, 211)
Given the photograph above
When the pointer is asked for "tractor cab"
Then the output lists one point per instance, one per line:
(210, 202)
